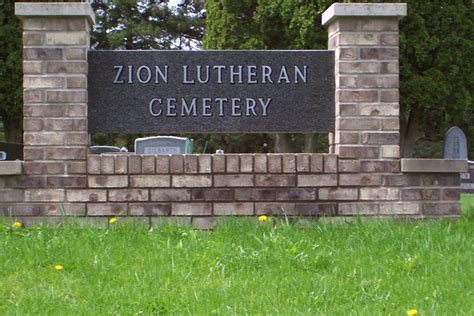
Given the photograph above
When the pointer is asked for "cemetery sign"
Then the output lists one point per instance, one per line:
(211, 91)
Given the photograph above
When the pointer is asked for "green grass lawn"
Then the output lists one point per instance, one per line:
(368, 268)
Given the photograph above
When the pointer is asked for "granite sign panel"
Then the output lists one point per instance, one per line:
(211, 91)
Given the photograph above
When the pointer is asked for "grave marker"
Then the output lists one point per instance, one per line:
(163, 145)
(455, 144)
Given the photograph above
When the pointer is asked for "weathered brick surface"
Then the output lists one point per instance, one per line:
(233, 209)
(150, 181)
(107, 209)
(107, 181)
(162, 164)
(205, 163)
(260, 163)
(122, 195)
(191, 209)
(107, 165)
(134, 164)
(232, 163)
(44, 195)
(295, 195)
(317, 180)
(379, 194)
(246, 163)
(358, 208)
(191, 181)
(361, 176)
(149, 209)
(121, 164)
(212, 195)
(303, 163)
(66, 181)
(255, 194)
(148, 164)
(218, 163)
(289, 163)
(275, 180)
(274, 163)
(233, 180)
(172, 195)
(88, 195)
(339, 194)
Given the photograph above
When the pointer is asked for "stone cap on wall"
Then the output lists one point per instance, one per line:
(8, 168)
(55, 9)
(433, 165)
(363, 10)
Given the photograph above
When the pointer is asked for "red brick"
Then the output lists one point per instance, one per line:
(106, 209)
(149, 181)
(134, 164)
(192, 181)
(218, 163)
(212, 194)
(317, 180)
(246, 163)
(162, 164)
(122, 195)
(275, 180)
(170, 195)
(150, 209)
(232, 163)
(190, 164)
(107, 164)
(233, 180)
(260, 163)
(66, 181)
(148, 164)
(233, 209)
(191, 209)
(254, 194)
(176, 164)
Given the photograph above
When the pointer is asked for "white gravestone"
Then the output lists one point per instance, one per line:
(163, 145)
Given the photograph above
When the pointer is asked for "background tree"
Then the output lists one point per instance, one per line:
(436, 74)
(11, 76)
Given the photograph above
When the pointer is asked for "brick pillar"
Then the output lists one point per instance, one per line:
(55, 45)
(365, 40)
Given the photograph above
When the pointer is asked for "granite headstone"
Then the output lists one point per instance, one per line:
(455, 144)
(163, 145)
(170, 91)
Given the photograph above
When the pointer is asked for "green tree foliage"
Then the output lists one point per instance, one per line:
(127, 24)
(10, 73)
(436, 72)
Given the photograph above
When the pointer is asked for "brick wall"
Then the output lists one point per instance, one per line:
(364, 176)
(241, 185)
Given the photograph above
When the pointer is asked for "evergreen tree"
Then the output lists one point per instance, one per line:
(11, 77)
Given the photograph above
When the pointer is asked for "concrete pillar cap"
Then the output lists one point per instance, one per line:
(56, 9)
(363, 10)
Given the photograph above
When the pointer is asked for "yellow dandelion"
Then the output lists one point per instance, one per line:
(58, 267)
(113, 220)
(262, 218)
(17, 225)
(412, 312)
